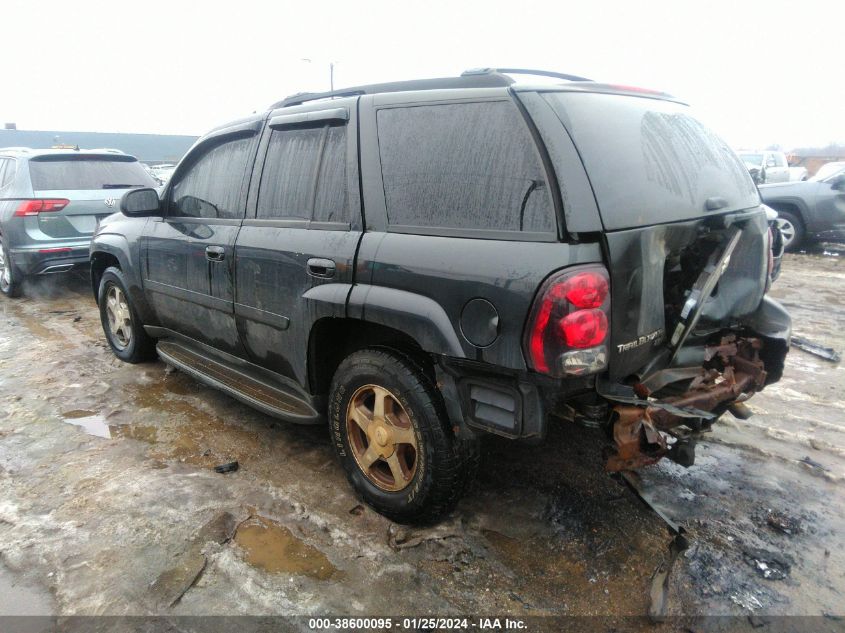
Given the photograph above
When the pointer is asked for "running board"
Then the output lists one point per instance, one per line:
(272, 400)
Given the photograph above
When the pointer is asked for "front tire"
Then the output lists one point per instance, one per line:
(10, 275)
(392, 436)
(792, 229)
(121, 324)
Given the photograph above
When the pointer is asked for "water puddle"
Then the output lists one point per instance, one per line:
(274, 549)
(90, 422)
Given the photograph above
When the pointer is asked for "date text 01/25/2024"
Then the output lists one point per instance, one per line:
(416, 624)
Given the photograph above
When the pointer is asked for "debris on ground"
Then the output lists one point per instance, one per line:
(660, 580)
(768, 564)
(171, 584)
(399, 538)
(827, 353)
(782, 522)
(746, 600)
(227, 468)
(812, 463)
(357, 510)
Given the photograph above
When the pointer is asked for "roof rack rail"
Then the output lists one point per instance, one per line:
(521, 71)
(473, 78)
(443, 83)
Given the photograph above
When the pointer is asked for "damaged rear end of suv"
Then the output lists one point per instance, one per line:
(691, 332)
(422, 262)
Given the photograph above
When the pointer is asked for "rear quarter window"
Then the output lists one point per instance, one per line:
(463, 166)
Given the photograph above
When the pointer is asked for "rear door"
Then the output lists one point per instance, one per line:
(296, 250)
(188, 255)
(670, 193)
(93, 183)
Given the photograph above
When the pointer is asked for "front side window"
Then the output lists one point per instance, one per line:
(211, 186)
(463, 166)
(304, 175)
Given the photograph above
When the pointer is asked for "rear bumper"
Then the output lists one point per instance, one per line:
(687, 396)
(53, 257)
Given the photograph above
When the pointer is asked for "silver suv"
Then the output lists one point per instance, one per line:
(51, 201)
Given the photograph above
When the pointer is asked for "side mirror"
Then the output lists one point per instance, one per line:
(140, 203)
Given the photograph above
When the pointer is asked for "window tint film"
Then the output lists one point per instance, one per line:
(87, 172)
(211, 187)
(298, 160)
(463, 166)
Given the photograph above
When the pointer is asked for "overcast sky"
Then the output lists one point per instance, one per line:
(758, 72)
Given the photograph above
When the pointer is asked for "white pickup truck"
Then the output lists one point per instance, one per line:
(766, 166)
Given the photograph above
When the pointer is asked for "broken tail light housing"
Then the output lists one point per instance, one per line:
(569, 324)
(40, 205)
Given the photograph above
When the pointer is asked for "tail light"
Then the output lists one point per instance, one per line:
(569, 323)
(40, 205)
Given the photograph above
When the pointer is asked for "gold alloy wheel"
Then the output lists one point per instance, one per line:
(119, 318)
(382, 438)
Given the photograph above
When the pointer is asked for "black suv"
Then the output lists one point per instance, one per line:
(422, 262)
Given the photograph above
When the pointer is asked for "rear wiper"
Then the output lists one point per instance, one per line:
(119, 186)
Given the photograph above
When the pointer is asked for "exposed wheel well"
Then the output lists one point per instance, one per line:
(332, 340)
(99, 263)
(788, 207)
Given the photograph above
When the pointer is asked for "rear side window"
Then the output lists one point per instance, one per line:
(211, 186)
(304, 175)
(463, 166)
(87, 173)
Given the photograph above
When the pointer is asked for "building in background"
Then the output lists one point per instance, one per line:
(812, 158)
(152, 149)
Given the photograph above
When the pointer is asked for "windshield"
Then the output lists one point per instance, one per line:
(650, 161)
(752, 160)
(87, 172)
(828, 170)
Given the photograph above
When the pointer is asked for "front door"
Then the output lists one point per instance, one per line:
(188, 255)
(296, 249)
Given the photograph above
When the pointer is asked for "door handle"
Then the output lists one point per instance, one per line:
(323, 268)
(215, 253)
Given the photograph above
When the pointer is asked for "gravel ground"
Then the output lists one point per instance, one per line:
(109, 504)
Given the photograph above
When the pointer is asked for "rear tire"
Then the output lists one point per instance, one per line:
(792, 229)
(121, 324)
(400, 456)
(10, 275)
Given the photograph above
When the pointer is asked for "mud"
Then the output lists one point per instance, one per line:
(106, 481)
